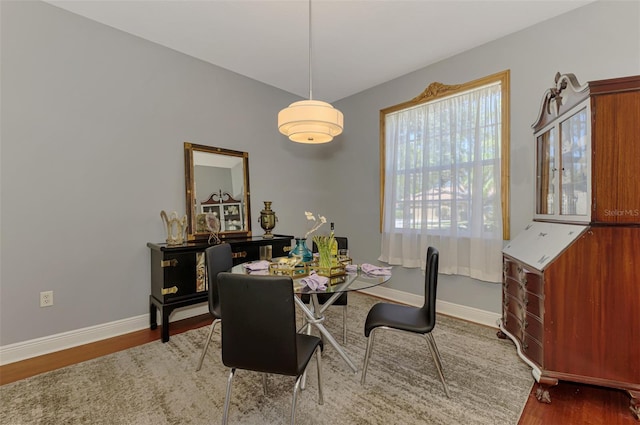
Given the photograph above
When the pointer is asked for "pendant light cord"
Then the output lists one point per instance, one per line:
(310, 80)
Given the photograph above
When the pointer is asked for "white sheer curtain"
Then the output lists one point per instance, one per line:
(442, 184)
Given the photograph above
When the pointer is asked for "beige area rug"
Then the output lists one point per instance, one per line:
(157, 383)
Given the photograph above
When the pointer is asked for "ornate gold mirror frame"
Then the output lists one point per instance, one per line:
(217, 192)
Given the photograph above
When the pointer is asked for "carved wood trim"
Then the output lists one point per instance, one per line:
(436, 90)
(565, 94)
(220, 198)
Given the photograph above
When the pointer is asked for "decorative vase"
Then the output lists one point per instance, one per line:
(176, 227)
(268, 220)
(325, 245)
(301, 250)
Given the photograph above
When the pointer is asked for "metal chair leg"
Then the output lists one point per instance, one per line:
(344, 324)
(264, 383)
(437, 360)
(225, 414)
(319, 365)
(293, 403)
(367, 354)
(206, 344)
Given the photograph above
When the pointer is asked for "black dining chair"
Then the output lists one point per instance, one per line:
(218, 258)
(259, 331)
(343, 243)
(416, 320)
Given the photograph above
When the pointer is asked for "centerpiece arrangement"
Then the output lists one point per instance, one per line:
(301, 260)
(301, 249)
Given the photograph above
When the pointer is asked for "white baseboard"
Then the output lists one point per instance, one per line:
(37, 347)
(49, 344)
(470, 314)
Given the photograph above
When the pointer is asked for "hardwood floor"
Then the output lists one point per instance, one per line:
(571, 403)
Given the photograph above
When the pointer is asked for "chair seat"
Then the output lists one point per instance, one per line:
(406, 318)
(323, 298)
(307, 345)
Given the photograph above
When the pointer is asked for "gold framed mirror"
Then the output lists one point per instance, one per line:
(217, 192)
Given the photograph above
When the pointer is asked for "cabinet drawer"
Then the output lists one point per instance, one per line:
(177, 276)
(280, 249)
(532, 349)
(513, 325)
(534, 305)
(532, 281)
(514, 288)
(515, 307)
(532, 326)
(245, 252)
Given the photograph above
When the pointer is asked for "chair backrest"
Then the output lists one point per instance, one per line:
(343, 243)
(431, 284)
(218, 258)
(258, 323)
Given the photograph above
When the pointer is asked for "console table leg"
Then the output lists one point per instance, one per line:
(165, 324)
(635, 404)
(153, 321)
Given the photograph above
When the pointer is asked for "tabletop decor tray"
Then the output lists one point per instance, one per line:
(333, 271)
(280, 268)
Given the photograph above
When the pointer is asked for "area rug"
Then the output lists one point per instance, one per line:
(157, 383)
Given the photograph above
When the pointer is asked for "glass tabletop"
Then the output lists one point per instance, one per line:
(352, 281)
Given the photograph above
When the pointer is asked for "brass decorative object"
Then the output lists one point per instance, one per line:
(268, 220)
(176, 227)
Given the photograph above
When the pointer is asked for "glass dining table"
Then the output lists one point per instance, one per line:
(314, 316)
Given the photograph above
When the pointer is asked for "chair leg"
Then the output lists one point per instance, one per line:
(319, 364)
(437, 360)
(344, 324)
(206, 344)
(225, 414)
(264, 383)
(293, 403)
(303, 383)
(367, 354)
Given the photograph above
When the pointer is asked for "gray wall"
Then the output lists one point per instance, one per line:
(600, 40)
(93, 125)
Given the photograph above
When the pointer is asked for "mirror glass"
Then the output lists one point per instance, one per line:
(217, 192)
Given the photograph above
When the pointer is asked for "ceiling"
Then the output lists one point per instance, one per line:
(356, 44)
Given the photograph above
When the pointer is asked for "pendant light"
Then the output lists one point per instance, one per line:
(310, 121)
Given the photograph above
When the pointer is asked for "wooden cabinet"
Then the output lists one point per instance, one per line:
(178, 273)
(571, 281)
(586, 154)
(615, 106)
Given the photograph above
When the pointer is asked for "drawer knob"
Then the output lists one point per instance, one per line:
(241, 254)
(172, 290)
(286, 248)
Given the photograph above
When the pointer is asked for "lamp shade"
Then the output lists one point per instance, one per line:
(310, 121)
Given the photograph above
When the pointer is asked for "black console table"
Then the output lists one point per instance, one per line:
(178, 273)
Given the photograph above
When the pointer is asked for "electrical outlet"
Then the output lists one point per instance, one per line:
(46, 299)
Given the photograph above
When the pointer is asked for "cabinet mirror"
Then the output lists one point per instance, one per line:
(217, 192)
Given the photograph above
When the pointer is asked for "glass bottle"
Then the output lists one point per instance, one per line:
(334, 248)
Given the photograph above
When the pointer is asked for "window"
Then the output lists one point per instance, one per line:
(444, 177)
